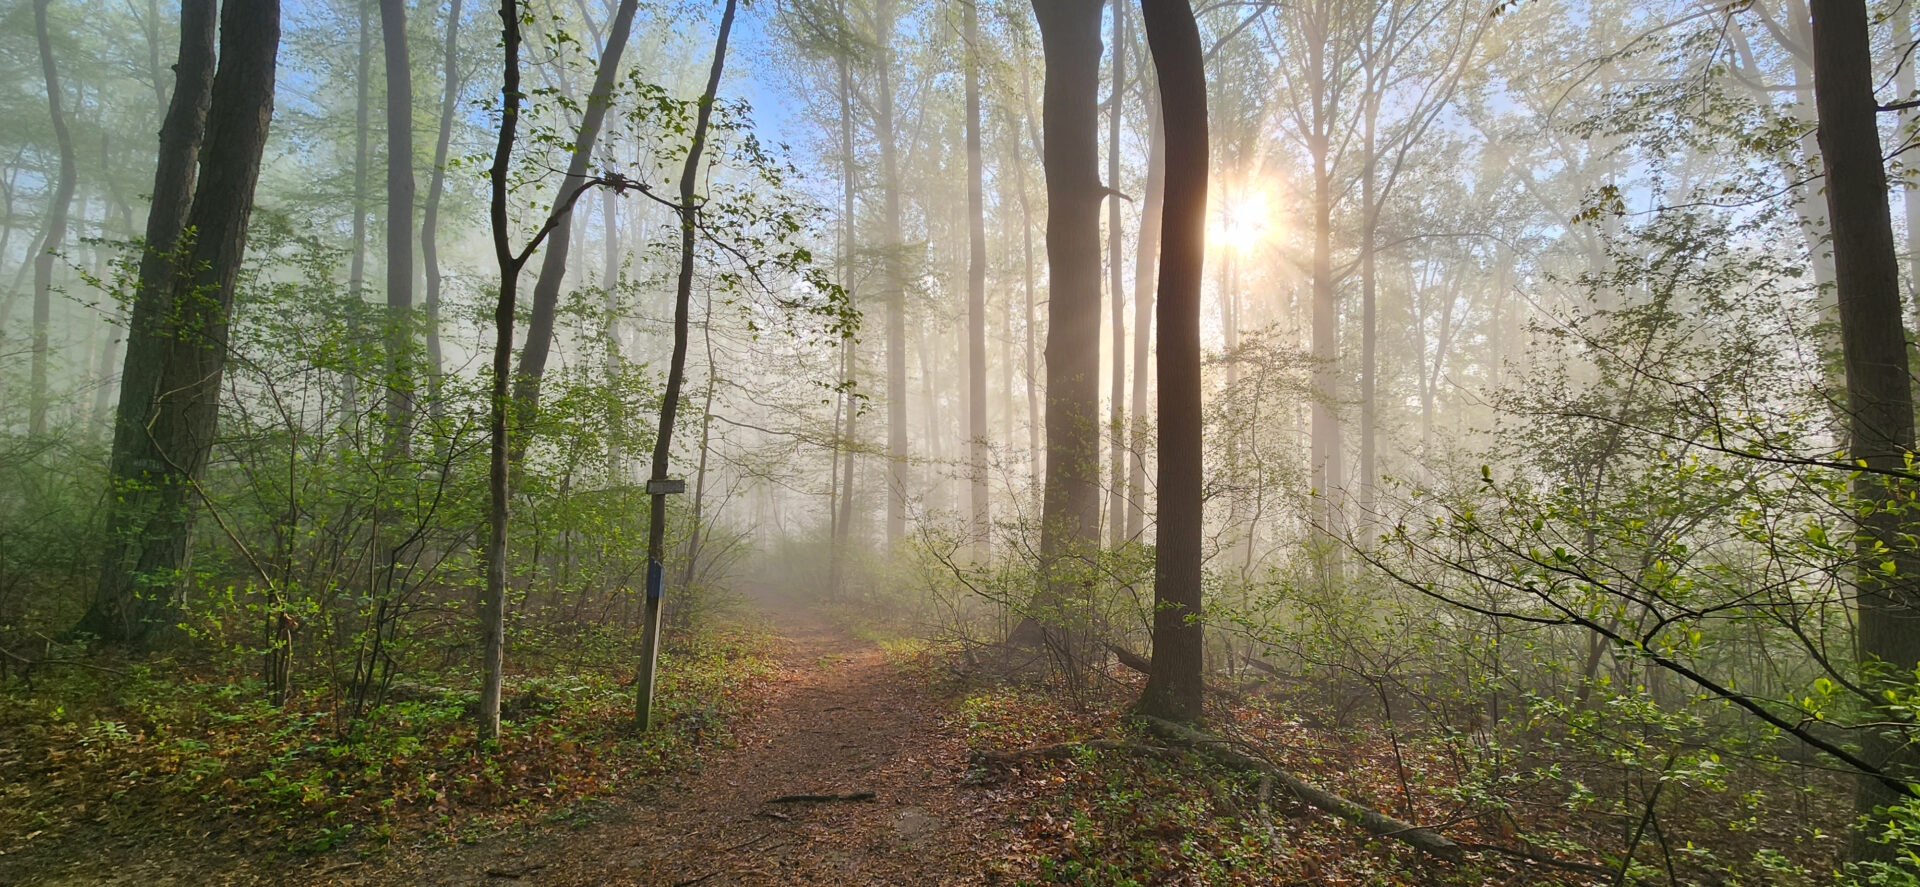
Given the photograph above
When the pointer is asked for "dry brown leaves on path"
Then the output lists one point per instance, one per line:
(841, 721)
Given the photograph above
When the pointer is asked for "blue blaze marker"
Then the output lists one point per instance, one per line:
(656, 580)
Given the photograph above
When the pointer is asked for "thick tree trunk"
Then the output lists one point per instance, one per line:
(1879, 399)
(393, 34)
(1146, 266)
(182, 421)
(895, 277)
(676, 375)
(1117, 294)
(56, 228)
(121, 607)
(978, 495)
(1174, 689)
(553, 265)
(1325, 347)
(1070, 508)
(430, 216)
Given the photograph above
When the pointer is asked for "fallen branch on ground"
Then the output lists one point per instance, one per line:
(1061, 751)
(1372, 821)
(820, 799)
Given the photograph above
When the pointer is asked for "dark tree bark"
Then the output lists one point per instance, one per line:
(553, 265)
(1175, 688)
(1117, 293)
(119, 609)
(430, 215)
(1879, 398)
(137, 589)
(56, 229)
(393, 34)
(976, 290)
(676, 372)
(1070, 505)
(493, 602)
(1146, 266)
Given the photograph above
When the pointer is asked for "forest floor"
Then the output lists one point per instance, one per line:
(838, 716)
(841, 719)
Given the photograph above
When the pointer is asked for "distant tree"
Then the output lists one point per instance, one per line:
(54, 237)
(393, 35)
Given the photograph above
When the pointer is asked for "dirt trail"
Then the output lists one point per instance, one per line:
(841, 720)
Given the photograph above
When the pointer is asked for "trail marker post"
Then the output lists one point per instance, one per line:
(659, 489)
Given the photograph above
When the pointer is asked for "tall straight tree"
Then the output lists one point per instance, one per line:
(553, 265)
(885, 18)
(1174, 687)
(170, 451)
(1879, 396)
(1146, 266)
(393, 35)
(1117, 291)
(54, 238)
(1070, 502)
(119, 608)
(689, 210)
(976, 285)
(430, 215)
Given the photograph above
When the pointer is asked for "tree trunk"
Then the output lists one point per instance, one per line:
(553, 265)
(896, 296)
(120, 609)
(177, 429)
(1369, 359)
(393, 34)
(1070, 508)
(1175, 687)
(56, 228)
(1117, 293)
(1146, 265)
(493, 602)
(430, 216)
(1325, 349)
(1879, 400)
(849, 355)
(676, 375)
(976, 293)
(1909, 192)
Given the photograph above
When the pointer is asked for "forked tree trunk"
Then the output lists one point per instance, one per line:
(121, 606)
(1175, 687)
(137, 588)
(1879, 397)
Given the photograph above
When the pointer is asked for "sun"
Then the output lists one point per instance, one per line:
(1243, 222)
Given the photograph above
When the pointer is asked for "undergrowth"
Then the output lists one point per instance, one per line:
(183, 746)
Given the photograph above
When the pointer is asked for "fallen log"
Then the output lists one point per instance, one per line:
(1372, 821)
(821, 799)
